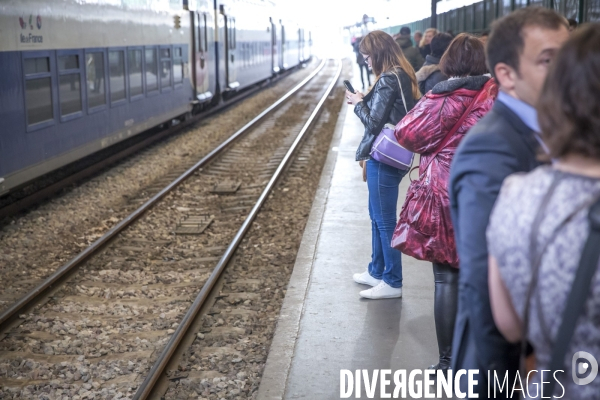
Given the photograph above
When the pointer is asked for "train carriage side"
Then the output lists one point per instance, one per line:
(291, 45)
(246, 42)
(81, 76)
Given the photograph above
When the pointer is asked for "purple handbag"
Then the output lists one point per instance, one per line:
(386, 148)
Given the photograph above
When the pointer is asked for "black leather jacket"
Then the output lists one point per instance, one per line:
(382, 105)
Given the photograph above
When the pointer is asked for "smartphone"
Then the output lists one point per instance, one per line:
(349, 86)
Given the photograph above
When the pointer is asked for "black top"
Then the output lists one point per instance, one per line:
(382, 105)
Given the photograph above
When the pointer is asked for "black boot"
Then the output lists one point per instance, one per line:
(445, 308)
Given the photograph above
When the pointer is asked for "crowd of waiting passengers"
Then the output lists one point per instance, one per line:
(505, 202)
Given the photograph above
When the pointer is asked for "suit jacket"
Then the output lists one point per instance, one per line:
(499, 145)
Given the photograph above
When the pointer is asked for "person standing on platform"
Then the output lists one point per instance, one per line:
(550, 207)
(362, 65)
(412, 54)
(433, 129)
(417, 38)
(519, 50)
(425, 42)
(430, 74)
(383, 104)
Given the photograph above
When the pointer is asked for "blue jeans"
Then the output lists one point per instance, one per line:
(383, 182)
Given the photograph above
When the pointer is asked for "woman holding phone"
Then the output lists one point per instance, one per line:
(384, 104)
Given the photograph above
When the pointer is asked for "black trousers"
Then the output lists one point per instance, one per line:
(444, 309)
(366, 69)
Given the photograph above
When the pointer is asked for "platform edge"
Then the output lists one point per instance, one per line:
(275, 374)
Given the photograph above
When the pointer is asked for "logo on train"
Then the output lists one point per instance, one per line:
(31, 38)
(38, 22)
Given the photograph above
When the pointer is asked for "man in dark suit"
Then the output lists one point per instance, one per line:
(505, 141)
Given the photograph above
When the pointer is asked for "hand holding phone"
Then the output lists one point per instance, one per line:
(349, 86)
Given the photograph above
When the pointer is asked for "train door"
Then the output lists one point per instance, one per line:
(299, 45)
(284, 48)
(204, 65)
(274, 47)
(230, 40)
(302, 39)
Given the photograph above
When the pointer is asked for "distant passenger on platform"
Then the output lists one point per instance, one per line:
(383, 104)
(412, 54)
(484, 37)
(417, 37)
(362, 65)
(520, 48)
(550, 207)
(425, 43)
(433, 129)
(430, 74)
(572, 24)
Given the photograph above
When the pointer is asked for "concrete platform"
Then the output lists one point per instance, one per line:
(324, 325)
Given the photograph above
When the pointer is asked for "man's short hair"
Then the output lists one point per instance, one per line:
(405, 30)
(506, 42)
(439, 44)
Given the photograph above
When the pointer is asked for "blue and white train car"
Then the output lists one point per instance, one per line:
(78, 76)
(81, 75)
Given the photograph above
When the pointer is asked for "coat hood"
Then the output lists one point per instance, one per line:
(426, 71)
(429, 60)
(468, 82)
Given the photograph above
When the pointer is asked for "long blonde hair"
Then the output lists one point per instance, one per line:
(433, 31)
(385, 55)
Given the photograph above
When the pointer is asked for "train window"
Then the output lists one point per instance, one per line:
(205, 34)
(37, 65)
(94, 68)
(69, 84)
(151, 70)
(165, 68)
(38, 93)
(116, 68)
(234, 35)
(134, 64)
(177, 65)
(70, 94)
(200, 34)
(38, 90)
(68, 62)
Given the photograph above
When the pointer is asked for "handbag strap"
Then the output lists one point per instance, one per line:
(401, 92)
(452, 131)
(588, 264)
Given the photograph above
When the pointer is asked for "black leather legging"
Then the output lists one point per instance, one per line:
(444, 309)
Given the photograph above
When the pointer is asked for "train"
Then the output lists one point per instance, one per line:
(477, 17)
(81, 75)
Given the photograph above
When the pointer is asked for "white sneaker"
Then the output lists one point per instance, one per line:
(382, 291)
(366, 279)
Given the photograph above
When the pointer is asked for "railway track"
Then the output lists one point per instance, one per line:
(36, 243)
(125, 311)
